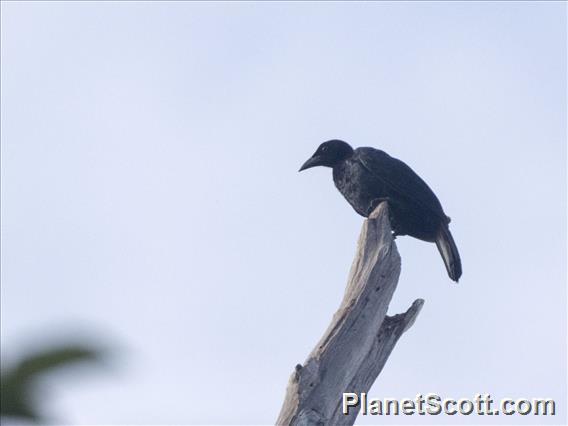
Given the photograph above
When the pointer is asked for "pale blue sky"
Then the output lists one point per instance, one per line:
(150, 196)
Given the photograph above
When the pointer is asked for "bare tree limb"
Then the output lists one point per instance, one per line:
(360, 338)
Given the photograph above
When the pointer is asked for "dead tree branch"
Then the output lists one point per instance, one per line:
(360, 338)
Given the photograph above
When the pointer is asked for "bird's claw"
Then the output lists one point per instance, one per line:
(375, 203)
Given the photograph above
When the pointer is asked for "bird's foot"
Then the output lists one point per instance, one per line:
(376, 202)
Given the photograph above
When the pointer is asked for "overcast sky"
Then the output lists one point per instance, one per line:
(151, 199)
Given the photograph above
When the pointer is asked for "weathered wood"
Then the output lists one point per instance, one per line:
(360, 338)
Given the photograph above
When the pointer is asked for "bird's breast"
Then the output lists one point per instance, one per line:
(353, 183)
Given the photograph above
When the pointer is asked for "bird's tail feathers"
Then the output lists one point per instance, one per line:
(449, 251)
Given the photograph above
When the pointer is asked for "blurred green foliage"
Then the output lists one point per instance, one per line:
(18, 384)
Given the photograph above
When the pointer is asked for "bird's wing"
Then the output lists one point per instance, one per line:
(400, 178)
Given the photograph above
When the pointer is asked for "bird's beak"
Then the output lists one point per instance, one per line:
(312, 162)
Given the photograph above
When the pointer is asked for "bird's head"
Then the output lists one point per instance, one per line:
(329, 154)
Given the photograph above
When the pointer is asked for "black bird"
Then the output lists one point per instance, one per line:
(367, 176)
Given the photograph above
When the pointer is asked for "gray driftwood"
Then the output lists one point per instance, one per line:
(360, 338)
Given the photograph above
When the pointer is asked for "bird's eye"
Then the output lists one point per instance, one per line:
(324, 148)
